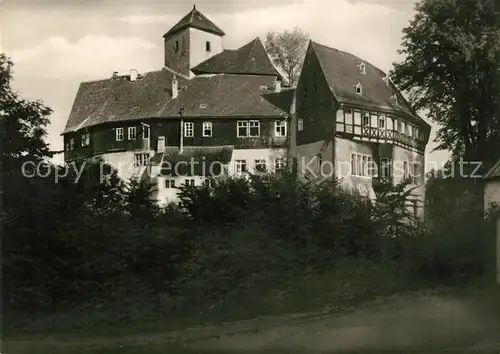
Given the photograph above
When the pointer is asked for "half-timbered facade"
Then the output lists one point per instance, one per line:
(353, 123)
(225, 111)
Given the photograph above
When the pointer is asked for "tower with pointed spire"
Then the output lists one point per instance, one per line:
(191, 41)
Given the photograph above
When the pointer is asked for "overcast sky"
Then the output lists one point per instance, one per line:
(57, 44)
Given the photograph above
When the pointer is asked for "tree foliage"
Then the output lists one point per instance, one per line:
(452, 70)
(287, 50)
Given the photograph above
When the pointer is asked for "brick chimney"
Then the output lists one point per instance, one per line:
(277, 86)
(175, 87)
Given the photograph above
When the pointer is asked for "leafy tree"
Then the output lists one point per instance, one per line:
(24, 122)
(287, 50)
(452, 70)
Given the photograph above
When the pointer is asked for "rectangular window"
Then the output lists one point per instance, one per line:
(280, 128)
(279, 164)
(169, 183)
(354, 170)
(71, 143)
(362, 165)
(300, 124)
(406, 172)
(381, 122)
(188, 130)
(145, 132)
(247, 129)
(131, 133)
(260, 165)
(417, 133)
(415, 173)
(254, 128)
(86, 139)
(189, 182)
(176, 46)
(207, 129)
(366, 120)
(385, 167)
(241, 166)
(207, 46)
(119, 134)
(141, 160)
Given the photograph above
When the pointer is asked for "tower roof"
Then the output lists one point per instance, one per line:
(195, 19)
(250, 59)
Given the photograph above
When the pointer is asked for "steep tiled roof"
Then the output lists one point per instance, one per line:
(341, 70)
(194, 19)
(252, 58)
(118, 99)
(494, 172)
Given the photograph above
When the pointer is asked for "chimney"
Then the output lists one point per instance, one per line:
(277, 86)
(115, 74)
(175, 87)
(133, 74)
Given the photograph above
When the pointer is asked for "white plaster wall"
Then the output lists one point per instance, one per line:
(197, 49)
(343, 150)
(491, 193)
(307, 161)
(123, 162)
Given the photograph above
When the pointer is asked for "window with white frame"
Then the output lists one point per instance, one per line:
(119, 134)
(141, 159)
(189, 182)
(254, 128)
(362, 165)
(381, 122)
(415, 173)
(358, 88)
(86, 139)
(260, 165)
(385, 167)
(170, 183)
(366, 120)
(406, 171)
(132, 133)
(279, 164)
(280, 128)
(145, 132)
(362, 68)
(188, 130)
(207, 129)
(241, 166)
(300, 124)
(246, 129)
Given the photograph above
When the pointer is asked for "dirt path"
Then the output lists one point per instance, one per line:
(398, 323)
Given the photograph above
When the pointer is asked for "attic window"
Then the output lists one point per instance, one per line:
(263, 87)
(176, 46)
(359, 88)
(203, 105)
(207, 46)
(362, 68)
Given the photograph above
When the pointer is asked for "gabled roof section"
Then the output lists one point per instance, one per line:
(494, 172)
(195, 19)
(342, 72)
(250, 59)
(119, 99)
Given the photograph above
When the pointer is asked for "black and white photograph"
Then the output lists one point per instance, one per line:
(237, 176)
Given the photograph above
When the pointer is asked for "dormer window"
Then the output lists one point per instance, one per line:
(359, 88)
(207, 46)
(203, 105)
(263, 88)
(176, 46)
(362, 68)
